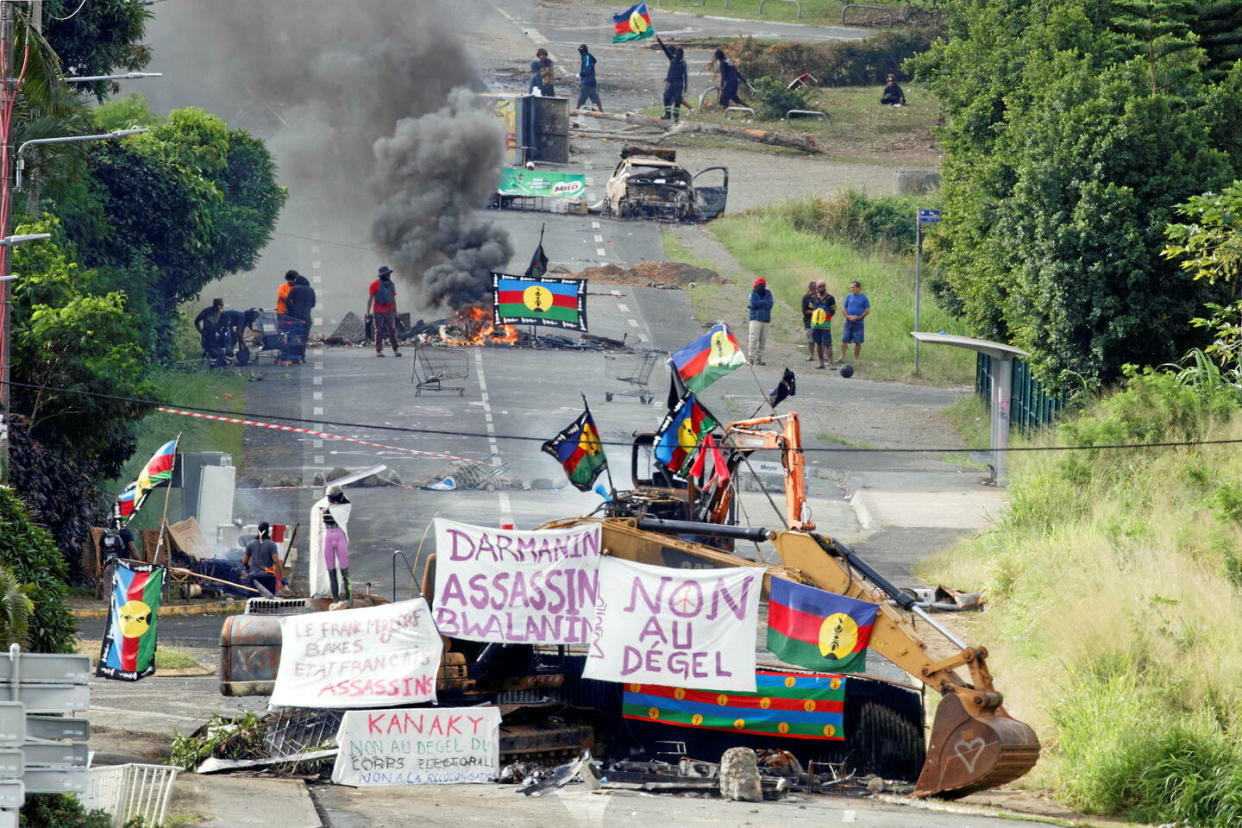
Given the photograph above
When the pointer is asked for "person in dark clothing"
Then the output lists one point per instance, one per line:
(542, 74)
(259, 561)
(892, 94)
(208, 316)
(676, 82)
(586, 77)
(810, 300)
(237, 323)
(299, 303)
(116, 542)
(730, 77)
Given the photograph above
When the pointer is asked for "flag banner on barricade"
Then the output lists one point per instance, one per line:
(516, 587)
(128, 652)
(707, 358)
(157, 472)
(579, 451)
(797, 705)
(418, 746)
(370, 656)
(819, 630)
(547, 301)
(632, 24)
(680, 434)
(688, 628)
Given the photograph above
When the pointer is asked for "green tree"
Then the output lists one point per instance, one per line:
(29, 554)
(101, 38)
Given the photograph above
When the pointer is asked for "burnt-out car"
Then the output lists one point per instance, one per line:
(649, 183)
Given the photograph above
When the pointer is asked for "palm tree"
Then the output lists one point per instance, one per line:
(16, 609)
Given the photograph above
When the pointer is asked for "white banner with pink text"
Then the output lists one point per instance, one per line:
(418, 746)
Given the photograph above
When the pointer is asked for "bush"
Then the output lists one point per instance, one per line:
(884, 223)
(60, 811)
(844, 63)
(773, 99)
(28, 551)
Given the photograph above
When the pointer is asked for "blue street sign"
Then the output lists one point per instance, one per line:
(929, 216)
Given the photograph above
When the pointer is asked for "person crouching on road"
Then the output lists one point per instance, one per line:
(760, 307)
(259, 562)
(382, 299)
(588, 90)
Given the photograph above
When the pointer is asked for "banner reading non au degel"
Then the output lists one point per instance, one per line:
(675, 627)
(516, 587)
(382, 655)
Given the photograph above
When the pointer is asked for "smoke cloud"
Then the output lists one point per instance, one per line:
(367, 111)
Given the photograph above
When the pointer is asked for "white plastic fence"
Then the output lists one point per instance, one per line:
(129, 791)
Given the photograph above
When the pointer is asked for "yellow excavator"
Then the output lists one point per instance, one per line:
(975, 744)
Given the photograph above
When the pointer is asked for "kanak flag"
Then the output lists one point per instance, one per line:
(632, 24)
(128, 652)
(708, 358)
(819, 630)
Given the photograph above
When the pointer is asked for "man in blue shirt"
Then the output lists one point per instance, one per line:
(586, 77)
(760, 307)
(857, 306)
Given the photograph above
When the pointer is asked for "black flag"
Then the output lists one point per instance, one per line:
(538, 261)
(787, 388)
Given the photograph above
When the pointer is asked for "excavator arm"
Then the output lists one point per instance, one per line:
(975, 744)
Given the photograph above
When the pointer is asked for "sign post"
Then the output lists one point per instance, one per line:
(923, 216)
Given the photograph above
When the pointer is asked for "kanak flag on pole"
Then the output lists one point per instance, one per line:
(683, 429)
(579, 451)
(632, 24)
(128, 652)
(819, 630)
(157, 472)
(708, 358)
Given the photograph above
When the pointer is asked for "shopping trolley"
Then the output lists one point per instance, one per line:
(634, 371)
(433, 366)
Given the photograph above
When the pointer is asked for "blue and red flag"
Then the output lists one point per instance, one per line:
(556, 303)
(128, 652)
(819, 630)
(579, 451)
(683, 429)
(632, 24)
(796, 705)
(125, 505)
(708, 358)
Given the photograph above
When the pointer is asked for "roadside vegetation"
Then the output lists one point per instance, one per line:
(839, 240)
(1115, 588)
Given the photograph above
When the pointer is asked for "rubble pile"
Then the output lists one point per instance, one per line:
(669, 275)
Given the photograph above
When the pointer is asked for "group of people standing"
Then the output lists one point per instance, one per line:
(819, 307)
(295, 299)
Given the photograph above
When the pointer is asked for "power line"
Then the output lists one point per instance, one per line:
(434, 432)
(328, 241)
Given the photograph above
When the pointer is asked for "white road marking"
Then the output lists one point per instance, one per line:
(624, 308)
(501, 497)
(315, 264)
(318, 395)
(599, 251)
(318, 459)
(595, 225)
(316, 278)
(849, 816)
(633, 322)
(134, 712)
(317, 411)
(599, 239)
(317, 444)
(318, 320)
(317, 380)
(315, 249)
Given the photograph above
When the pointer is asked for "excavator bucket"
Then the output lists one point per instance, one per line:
(972, 753)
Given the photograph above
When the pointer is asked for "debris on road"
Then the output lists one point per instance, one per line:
(801, 142)
(650, 274)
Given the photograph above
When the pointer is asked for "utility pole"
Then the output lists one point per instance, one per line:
(10, 85)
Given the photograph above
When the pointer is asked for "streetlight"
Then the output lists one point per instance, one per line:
(8, 242)
(66, 139)
(126, 76)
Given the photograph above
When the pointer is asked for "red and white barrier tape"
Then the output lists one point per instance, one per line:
(323, 434)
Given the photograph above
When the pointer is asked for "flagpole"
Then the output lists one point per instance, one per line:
(159, 544)
(607, 469)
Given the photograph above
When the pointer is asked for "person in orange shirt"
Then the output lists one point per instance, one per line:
(282, 292)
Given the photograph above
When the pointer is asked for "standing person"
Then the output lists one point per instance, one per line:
(892, 94)
(542, 74)
(259, 561)
(821, 323)
(329, 558)
(760, 307)
(300, 301)
(809, 301)
(730, 77)
(282, 292)
(676, 81)
(206, 323)
(588, 89)
(857, 307)
(289, 326)
(382, 298)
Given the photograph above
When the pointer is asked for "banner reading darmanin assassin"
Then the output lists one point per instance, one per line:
(418, 746)
(675, 627)
(371, 656)
(553, 303)
(516, 587)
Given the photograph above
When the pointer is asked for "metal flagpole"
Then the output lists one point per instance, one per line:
(159, 544)
(607, 469)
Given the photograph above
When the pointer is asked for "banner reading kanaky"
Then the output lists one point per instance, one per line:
(516, 587)
(371, 656)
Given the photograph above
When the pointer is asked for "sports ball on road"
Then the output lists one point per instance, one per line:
(847, 371)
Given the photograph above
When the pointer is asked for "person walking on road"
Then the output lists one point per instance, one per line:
(760, 307)
(676, 82)
(857, 308)
(588, 90)
(382, 309)
(542, 74)
(730, 77)
(809, 300)
(821, 324)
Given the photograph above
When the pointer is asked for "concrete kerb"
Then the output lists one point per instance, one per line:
(205, 608)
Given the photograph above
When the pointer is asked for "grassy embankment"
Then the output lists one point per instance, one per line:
(1115, 590)
(814, 12)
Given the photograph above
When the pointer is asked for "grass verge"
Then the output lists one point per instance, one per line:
(166, 658)
(766, 243)
(1115, 587)
(814, 12)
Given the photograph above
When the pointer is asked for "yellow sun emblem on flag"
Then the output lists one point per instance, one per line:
(537, 298)
(837, 635)
(135, 619)
(722, 348)
(588, 441)
(638, 23)
(687, 439)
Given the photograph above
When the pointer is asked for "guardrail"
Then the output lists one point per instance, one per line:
(796, 3)
(742, 109)
(806, 113)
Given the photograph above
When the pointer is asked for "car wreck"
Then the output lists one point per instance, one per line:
(649, 183)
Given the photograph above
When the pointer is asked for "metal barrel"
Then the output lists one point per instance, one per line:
(249, 654)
